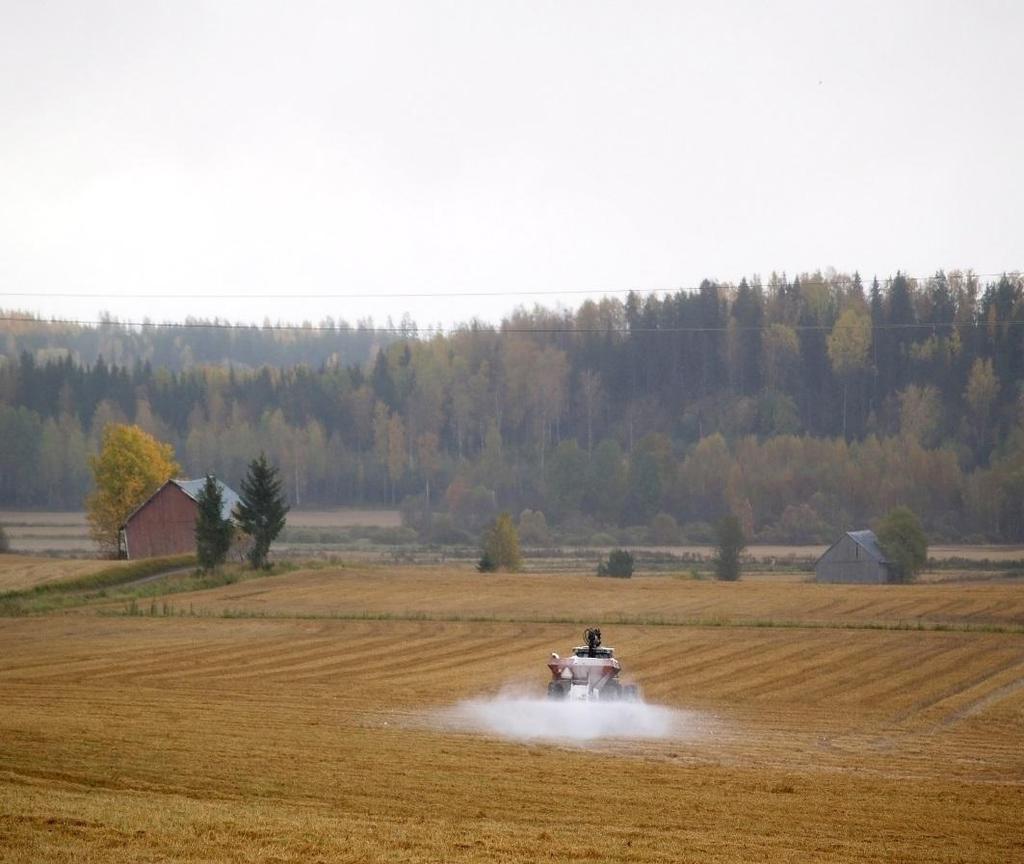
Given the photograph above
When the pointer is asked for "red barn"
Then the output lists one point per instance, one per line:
(165, 524)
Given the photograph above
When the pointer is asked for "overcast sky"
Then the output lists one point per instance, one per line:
(241, 148)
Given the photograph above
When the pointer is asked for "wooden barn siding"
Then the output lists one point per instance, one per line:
(166, 525)
(848, 562)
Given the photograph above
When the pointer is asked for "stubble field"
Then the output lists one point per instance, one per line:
(311, 720)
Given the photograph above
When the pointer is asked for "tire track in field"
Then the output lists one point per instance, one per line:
(985, 701)
(201, 664)
(714, 655)
(860, 672)
(732, 671)
(793, 660)
(191, 663)
(817, 675)
(929, 671)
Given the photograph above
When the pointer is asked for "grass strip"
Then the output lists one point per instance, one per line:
(134, 609)
(71, 592)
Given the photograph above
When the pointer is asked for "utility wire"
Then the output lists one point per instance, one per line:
(501, 330)
(411, 295)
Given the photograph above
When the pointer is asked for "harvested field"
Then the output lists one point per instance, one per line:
(27, 571)
(183, 739)
(344, 517)
(461, 593)
(222, 735)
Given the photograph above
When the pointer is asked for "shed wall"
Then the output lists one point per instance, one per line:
(848, 562)
(165, 525)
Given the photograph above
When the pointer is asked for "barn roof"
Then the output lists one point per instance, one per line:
(192, 488)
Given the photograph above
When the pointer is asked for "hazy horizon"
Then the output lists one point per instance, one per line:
(204, 154)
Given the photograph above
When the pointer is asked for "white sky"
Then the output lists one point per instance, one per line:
(234, 148)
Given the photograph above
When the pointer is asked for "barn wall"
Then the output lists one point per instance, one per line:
(166, 525)
(847, 561)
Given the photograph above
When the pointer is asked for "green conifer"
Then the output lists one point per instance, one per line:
(213, 531)
(261, 513)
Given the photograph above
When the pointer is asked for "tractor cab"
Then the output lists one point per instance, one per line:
(587, 651)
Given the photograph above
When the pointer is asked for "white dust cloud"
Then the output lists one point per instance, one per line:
(530, 719)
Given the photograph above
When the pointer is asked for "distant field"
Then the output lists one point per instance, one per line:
(461, 593)
(68, 532)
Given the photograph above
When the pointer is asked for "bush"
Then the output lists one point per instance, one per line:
(577, 528)
(500, 546)
(415, 513)
(633, 535)
(698, 532)
(902, 539)
(471, 508)
(446, 532)
(533, 528)
(619, 565)
(5, 544)
(602, 539)
(664, 530)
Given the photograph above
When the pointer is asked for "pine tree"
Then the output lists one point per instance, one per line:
(261, 513)
(213, 531)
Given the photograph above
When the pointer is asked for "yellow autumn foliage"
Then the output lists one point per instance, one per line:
(130, 467)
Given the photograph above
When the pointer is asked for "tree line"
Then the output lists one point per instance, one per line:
(802, 406)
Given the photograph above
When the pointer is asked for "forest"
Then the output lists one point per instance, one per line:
(804, 406)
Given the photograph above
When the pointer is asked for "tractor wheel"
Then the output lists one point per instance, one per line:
(557, 690)
(611, 692)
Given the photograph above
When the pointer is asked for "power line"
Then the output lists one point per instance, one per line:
(499, 331)
(429, 295)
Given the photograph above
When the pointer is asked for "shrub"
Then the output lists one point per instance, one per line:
(619, 565)
(474, 508)
(533, 528)
(445, 531)
(664, 530)
(902, 539)
(577, 528)
(698, 532)
(500, 546)
(633, 535)
(415, 513)
(602, 539)
(5, 544)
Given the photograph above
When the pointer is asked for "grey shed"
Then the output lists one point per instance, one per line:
(854, 557)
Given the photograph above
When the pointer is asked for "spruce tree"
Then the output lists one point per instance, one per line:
(261, 513)
(213, 531)
(731, 544)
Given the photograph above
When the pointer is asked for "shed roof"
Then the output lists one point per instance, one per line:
(868, 542)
